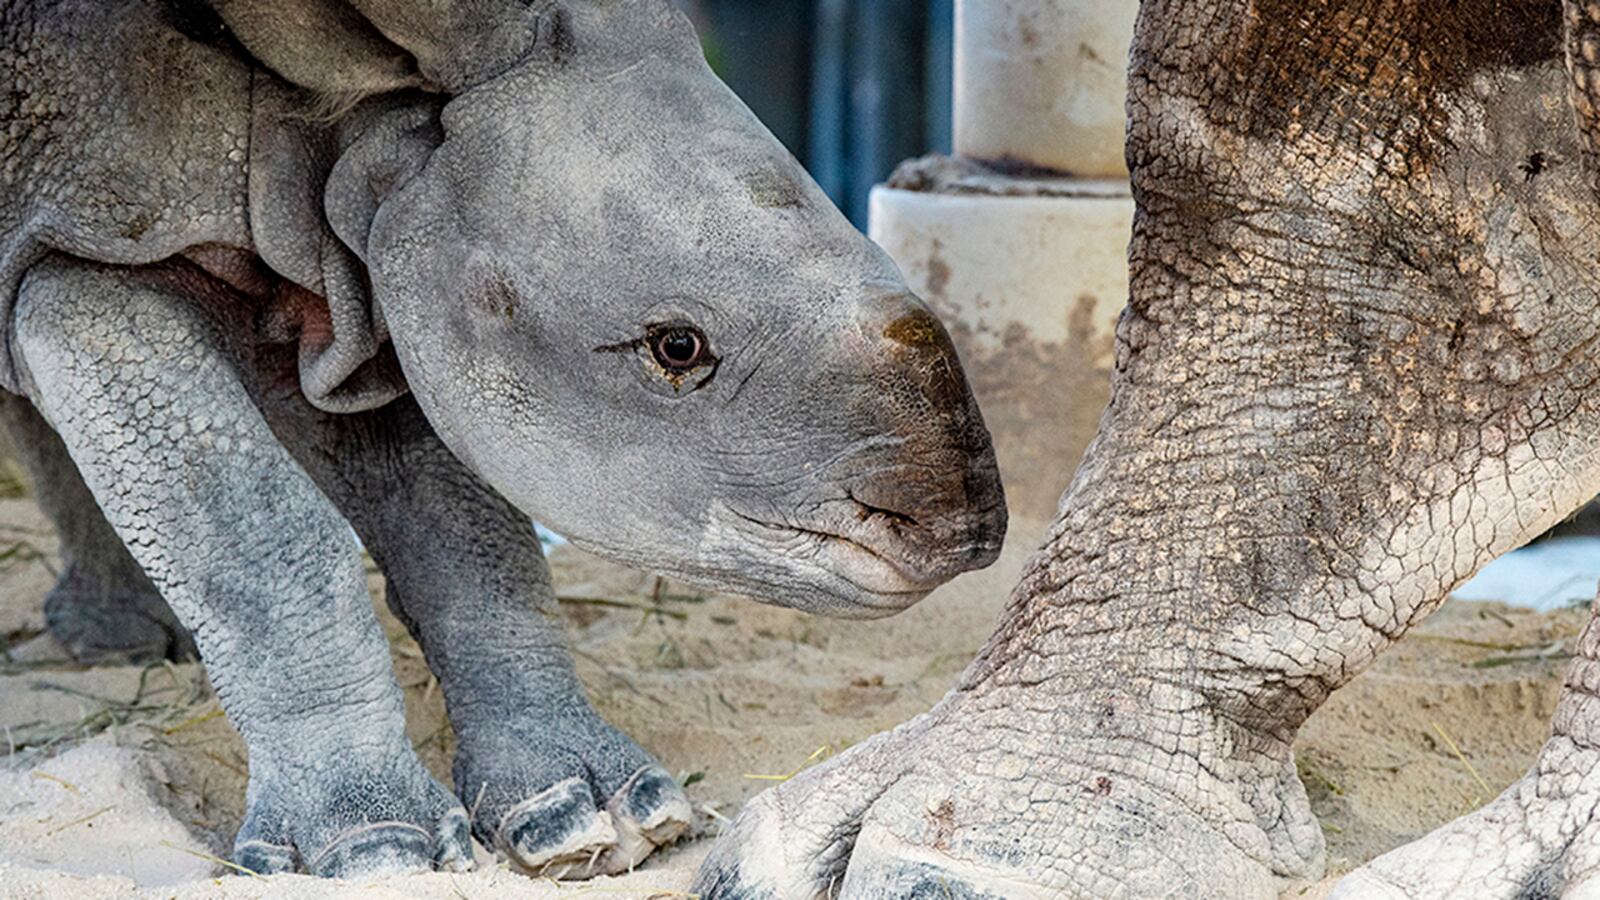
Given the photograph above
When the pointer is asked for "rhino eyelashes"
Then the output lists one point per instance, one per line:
(653, 346)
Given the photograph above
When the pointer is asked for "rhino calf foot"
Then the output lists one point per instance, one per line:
(570, 802)
(550, 785)
(100, 621)
(1539, 838)
(349, 821)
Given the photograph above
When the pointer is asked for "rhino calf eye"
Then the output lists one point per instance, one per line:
(680, 348)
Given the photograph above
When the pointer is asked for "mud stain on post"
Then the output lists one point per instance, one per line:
(938, 270)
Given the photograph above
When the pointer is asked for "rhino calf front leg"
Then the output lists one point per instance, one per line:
(103, 606)
(550, 783)
(253, 558)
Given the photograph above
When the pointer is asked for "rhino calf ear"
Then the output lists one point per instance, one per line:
(324, 45)
(392, 141)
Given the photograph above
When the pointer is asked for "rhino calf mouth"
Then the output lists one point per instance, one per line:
(891, 568)
(892, 558)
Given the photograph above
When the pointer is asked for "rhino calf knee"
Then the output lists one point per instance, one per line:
(428, 269)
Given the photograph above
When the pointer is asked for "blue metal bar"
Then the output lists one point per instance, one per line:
(940, 77)
(886, 94)
(825, 155)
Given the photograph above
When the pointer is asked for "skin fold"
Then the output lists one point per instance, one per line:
(1358, 363)
(271, 271)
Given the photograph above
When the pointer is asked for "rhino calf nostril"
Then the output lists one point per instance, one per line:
(865, 511)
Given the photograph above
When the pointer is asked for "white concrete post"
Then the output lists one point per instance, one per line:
(1042, 82)
(1020, 242)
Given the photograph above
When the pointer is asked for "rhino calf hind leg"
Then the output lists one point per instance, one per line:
(255, 561)
(551, 784)
(103, 607)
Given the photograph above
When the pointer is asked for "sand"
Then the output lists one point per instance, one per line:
(123, 782)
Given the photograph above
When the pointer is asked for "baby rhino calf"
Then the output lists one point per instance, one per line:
(274, 268)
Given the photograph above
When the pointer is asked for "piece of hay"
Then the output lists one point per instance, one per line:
(816, 755)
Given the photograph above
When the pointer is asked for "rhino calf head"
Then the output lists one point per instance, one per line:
(624, 304)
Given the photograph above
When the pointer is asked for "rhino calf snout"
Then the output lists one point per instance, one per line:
(926, 498)
(942, 521)
(946, 490)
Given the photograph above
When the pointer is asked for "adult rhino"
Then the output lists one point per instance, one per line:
(236, 232)
(1360, 360)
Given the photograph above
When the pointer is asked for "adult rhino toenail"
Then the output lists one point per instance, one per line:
(926, 882)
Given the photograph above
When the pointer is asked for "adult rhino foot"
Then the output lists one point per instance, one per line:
(986, 796)
(103, 617)
(346, 821)
(572, 799)
(1539, 838)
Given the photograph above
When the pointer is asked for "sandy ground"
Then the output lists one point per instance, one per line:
(122, 781)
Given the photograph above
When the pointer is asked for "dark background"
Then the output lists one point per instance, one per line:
(852, 87)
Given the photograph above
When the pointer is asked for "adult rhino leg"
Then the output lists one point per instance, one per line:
(1359, 362)
(103, 606)
(1540, 838)
(255, 561)
(551, 784)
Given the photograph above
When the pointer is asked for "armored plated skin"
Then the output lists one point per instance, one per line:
(428, 269)
(1357, 364)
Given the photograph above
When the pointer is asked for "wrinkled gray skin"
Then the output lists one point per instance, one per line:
(1361, 359)
(273, 268)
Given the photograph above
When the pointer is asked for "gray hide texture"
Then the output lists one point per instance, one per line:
(431, 268)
